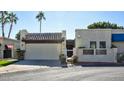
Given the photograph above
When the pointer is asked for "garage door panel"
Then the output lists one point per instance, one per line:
(42, 51)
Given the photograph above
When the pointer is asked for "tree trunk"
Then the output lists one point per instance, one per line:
(2, 29)
(40, 26)
(10, 30)
(2, 24)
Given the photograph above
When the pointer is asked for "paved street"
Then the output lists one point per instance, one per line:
(76, 73)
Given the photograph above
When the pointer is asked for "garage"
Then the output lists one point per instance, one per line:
(44, 46)
(42, 51)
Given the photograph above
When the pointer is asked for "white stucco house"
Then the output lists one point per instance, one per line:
(43, 46)
(98, 45)
(8, 47)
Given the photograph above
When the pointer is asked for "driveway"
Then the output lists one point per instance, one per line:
(27, 65)
(48, 63)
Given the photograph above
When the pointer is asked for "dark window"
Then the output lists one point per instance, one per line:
(92, 44)
(88, 52)
(101, 52)
(102, 44)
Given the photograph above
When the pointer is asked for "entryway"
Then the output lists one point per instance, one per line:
(7, 53)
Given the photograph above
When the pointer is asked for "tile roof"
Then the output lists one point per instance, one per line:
(44, 37)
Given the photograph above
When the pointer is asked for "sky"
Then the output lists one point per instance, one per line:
(56, 21)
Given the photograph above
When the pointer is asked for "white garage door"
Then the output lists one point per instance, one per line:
(42, 51)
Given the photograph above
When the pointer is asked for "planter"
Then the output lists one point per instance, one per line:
(20, 54)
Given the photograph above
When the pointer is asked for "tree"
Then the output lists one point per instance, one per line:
(18, 36)
(104, 25)
(3, 20)
(12, 20)
(40, 16)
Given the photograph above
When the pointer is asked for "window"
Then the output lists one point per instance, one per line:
(88, 52)
(102, 44)
(93, 44)
(101, 52)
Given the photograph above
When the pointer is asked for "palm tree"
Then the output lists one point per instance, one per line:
(40, 17)
(12, 19)
(3, 20)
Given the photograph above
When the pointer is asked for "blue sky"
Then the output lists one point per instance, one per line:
(57, 21)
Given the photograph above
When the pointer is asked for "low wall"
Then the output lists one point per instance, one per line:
(110, 56)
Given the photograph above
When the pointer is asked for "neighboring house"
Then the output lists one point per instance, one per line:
(98, 45)
(118, 39)
(8, 47)
(43, 46)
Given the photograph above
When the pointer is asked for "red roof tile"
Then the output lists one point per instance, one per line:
(56, 37)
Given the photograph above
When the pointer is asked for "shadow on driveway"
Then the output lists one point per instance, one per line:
(99, 64)
(50, 63)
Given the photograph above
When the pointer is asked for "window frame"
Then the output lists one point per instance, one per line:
(101, 44)
(95, 44)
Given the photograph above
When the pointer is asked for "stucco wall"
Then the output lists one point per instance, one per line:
(22, 35)
(43, 51)
(110, 57)
(120, 46)
(84, 36)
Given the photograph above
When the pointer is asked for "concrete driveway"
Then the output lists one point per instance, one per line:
(27, 65)
(48, 63)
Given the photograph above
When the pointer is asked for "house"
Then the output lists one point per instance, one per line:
(43, 46)
(8, 47)
(98, 45)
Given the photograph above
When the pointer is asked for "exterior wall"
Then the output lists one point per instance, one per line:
(42, 51)
(84, 36)
(117, 31)
(22, 35)
(120, 46)
(64, 50)
(6, 41)
(109, 57)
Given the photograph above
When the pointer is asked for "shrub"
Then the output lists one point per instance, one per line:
(20, 54)
(62, 58)
(120, 58)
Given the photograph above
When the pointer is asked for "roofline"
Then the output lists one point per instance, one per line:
(98, 29)
(42, 41)
(46, 33)
(9, 39)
